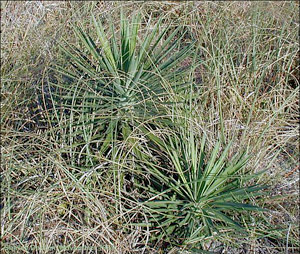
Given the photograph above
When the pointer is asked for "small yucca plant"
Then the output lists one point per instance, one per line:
(122, 79)
(191, 194)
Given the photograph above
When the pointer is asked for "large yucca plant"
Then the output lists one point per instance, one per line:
(191, 194)
(119, 79)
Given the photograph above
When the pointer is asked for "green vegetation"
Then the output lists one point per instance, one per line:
(160, 127)
(118, 84)
(192, 195)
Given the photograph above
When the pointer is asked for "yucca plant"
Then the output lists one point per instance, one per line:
(191, 194)
(121, 78)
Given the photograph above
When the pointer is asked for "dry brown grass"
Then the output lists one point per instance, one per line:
(44, 210)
